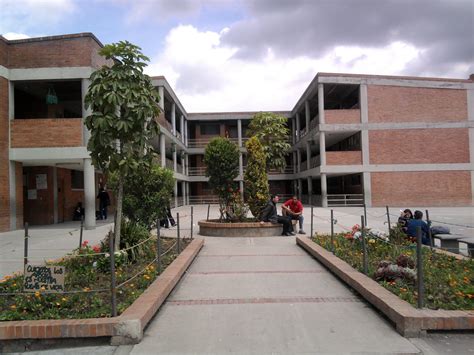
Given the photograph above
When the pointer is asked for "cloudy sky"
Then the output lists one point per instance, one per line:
(239, 55)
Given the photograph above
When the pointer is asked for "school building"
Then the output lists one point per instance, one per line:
(378, 140)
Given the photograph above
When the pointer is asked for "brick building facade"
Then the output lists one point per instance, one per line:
(378, 140)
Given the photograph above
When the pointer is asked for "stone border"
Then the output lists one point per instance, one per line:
(241, 229)
(124, 329)
(409, 321)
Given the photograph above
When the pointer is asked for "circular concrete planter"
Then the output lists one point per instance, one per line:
(213, 228)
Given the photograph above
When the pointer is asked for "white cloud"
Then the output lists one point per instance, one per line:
(33, 15)
(207, 77)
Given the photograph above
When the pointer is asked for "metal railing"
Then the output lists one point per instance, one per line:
(197, 171)
(202, 142)
(335, 200)
(203, 199)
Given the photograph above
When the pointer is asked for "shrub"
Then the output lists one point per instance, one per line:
(255, 179)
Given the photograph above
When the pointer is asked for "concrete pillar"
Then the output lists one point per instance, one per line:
(239, 132)
(89, 194)
(181, 127)
(300, 189)
(321, 103)
(324, 190)
(86, 134)
(161, 92)
(241, 166)
(310, 189)
(176, 193)
(183, 164)
(175, 160)
(186, 132)
(367, 189)
(55, 195)
(163, 150)
(308, 155)
(322, 148)
(295, 187)
(187, 193)
(186, 160)
(297, 127)
(307, 115)
(241, 187)
(12, 193)
(293, 129)
(470, 117)
(11, 100)
(173, 118)
(298, 154)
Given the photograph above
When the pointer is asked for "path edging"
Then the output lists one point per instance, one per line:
(409, 321)
(124, 329)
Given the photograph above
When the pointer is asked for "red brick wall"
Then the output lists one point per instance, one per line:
(3, 53)
(4, 160)
(407, 104)
(416, 146)
(49, 132)
(344, 158)
(341, 116)
(428, 188)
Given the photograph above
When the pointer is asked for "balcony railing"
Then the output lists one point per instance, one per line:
(203, 199)
(202, 142)
(197, 171)
(163, 122)
(335, 200)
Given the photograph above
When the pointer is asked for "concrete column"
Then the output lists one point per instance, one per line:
(297, 127)
(183, 164)
(239, 132)
(321, 103)
(175, 161)
(55, 195)
(161, 92)
(241, 166)
(310, 189)
(322, 148)
(295, 187)
(295, 162)
(470, 117)
(163, 150)
(324, 190)
(307, 115)
(176, 193)
(300, 189)
(293, 129)
(367, 189)
(89, 194)
(187, 193)
(173, 118)
(186, 160)
(86, 134)
(308, 155)
(185, 132)
(181, 127)
(12, 193)
(298, 154)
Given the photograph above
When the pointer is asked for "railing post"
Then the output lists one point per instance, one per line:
(419, 266)
(208, 208)
(192, 218)
(364, 247)
(388, 221)
(311, 221)
(332, 231)
(178, 247)
(428, 221)
(25, 252)
(158, 247)
(365, 214)
(113, 290)
(80, 233)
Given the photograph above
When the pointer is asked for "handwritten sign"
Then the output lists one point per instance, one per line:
(44, 278)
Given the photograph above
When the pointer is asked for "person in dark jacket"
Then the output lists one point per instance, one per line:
(405, 217)
(269, 214)
(418, 222)
(104, 201)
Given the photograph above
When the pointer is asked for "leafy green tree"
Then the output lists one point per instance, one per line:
(255, 178)
(222, 162)
(272, 131)
(124, 104)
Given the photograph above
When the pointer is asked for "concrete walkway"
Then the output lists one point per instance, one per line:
(265, 295)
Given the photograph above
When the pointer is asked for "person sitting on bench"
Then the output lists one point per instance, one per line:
(418, 222)
(269, 214)
(294, 209)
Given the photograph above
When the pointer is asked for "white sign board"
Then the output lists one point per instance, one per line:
(41, 181)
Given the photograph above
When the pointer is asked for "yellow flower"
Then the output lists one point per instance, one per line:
(57, 304)
(13, 306)
(87, 289)
(371, 241)
(146, 277)
(14, 285)
(37, 294)
(43, 288)
(64, 299)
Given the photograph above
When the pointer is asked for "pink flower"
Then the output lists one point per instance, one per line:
(96, 248)
(85, 243)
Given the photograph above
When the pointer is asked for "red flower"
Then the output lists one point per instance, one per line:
(85, 243)
(96, 248)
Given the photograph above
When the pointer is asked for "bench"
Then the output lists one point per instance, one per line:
(449, 241)
(470, 245)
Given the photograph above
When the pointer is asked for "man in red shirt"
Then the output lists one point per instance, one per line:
(294, 209)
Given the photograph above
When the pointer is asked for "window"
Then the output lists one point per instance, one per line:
(77, 180)
(210, 129)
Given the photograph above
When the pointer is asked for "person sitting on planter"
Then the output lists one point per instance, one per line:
(294, 209)
(405, 217)
(418, 222)
(269, 214)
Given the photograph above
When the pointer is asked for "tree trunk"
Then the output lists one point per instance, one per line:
(118, 220)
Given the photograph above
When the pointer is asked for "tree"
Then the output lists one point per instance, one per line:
(222, 162)
(255, 178)
(124, 104)
(272, 131)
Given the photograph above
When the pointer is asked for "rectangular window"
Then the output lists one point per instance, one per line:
(77, 180)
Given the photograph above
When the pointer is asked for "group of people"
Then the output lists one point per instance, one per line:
(104, 201)
(292, 209)
(409, 222)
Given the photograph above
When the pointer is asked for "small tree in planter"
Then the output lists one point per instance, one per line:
(222, 162)
(272, 131)
(255, 178)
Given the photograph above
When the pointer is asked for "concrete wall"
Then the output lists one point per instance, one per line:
(35, 133)
(412, 104)
(421, 188)
(419, 146)
(4, 162)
